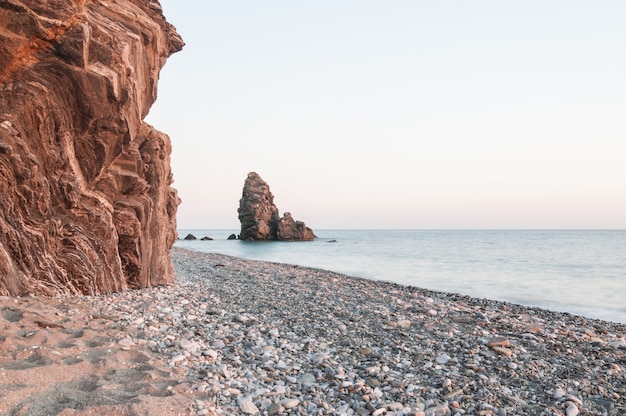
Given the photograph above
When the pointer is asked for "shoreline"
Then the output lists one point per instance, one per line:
(580, 273)
(236, 336)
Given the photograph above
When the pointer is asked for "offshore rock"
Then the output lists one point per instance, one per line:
(85, 200)
(260, 218)
(292, 230)
(258, 215)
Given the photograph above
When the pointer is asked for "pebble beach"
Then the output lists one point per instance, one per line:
(244, 337)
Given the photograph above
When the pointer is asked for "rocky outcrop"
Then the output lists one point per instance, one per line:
(257, 213)
(292, 230)
(85, 199)
(260, 218)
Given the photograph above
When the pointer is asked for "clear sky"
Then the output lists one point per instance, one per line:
(400, 113)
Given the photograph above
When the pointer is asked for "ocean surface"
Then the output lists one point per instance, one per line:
(581, 272)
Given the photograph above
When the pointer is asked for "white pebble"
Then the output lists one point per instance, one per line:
(289, 403)
(572, 410)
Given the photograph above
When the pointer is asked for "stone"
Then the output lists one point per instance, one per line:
(190, 237)
(206, 239)
(365, 351)
(275, 409)
(503, 351)
(461, 319)
(498, 342)
(292, 230)
(247, 407)
(126, 343)
(307, 378)
(211, 354)
(232, 237)
(289, 403)
(260, 218)
(188, 345)
(403, 323)
(257, 213)
(618, 343)
(571, 410)
(558, 393)
(395, 406)
(453, 393)
(86, 205)
(177, 359)
(442, 358)
(441, 410)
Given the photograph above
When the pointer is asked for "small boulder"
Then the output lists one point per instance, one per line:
(206, 239)
(190, 237)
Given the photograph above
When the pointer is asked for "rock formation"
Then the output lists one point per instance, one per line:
(260, 218)
(85, 199)
(257, 213)
(292, 230)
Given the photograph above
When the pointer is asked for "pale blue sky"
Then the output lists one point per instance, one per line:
(400, 114)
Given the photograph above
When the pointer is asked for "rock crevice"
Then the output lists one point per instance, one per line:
(86, 204)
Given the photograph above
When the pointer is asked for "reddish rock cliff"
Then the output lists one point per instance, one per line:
(85, 199)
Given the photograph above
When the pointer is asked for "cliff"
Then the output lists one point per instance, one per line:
(85, 199)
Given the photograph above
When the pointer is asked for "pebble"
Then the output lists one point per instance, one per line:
(266, 338)
(289, 403)
(126, 343)
(618, 343)
(247, 407)
(443, 358)
(559, 392)
(403, 323)
(275, 409)
(441, 410)
(394, 407)
(307, 379)
(503, 351)
(498, 342)
(571, 410)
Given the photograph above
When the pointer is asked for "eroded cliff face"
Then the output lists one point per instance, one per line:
(85, 199)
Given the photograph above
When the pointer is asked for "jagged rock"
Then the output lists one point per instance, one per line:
(260, 218)
(190, 237)
(85, 199)
(291, 230)
(257, 213)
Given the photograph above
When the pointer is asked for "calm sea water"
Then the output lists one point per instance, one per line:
(582, 272)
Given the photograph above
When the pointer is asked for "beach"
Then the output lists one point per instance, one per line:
(236, 336)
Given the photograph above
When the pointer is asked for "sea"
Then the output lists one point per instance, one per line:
(577, 271)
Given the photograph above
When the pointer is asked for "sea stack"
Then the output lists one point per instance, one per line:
(86, 205)
(260, 218)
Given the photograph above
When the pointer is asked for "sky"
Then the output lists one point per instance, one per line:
(400, 113)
